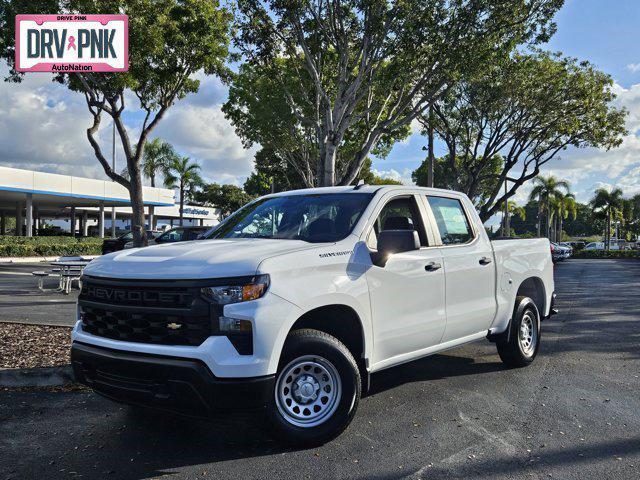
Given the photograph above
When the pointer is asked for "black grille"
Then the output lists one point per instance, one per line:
(149, 312)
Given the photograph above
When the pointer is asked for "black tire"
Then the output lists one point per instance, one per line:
(513, 351)
(317, 345)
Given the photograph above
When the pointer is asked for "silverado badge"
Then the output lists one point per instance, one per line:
(174, 326)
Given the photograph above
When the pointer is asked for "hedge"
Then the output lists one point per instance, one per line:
(11, 240)
(607, 254)
(48, 246)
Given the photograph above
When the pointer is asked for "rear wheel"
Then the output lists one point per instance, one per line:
(317, 388)
(523, 341)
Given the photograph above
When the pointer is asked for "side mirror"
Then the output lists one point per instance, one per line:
(394, 241)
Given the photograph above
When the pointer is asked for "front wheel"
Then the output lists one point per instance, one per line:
(317, 388)
(524, 338)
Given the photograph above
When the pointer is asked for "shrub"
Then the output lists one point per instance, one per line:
(48, 246)
(607, 254)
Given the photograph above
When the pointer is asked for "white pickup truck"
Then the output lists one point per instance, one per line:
(294, 300)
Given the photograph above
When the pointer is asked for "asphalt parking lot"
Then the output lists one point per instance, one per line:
(573, 414)
(21, 301)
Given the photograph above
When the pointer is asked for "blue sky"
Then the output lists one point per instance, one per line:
(42, 125)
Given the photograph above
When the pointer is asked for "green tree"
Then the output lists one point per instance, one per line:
(259, 108)
(158, 156)
(258, 184)
(366, 69)
(545, 190)
(513, 210)
(563, 206)
(184, 175)
(172, 40)
(608, 205)
(457, 178)
(228, 198)
(523, 109)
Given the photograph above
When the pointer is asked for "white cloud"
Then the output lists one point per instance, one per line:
(634, 67)
(392, 174)
(43, 127)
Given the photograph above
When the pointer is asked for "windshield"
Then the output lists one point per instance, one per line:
(327, 217)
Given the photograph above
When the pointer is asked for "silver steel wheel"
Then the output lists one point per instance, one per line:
(528, 335)
(308, 391)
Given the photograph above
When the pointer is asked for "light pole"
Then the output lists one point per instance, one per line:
(113, 167)
(429, 149)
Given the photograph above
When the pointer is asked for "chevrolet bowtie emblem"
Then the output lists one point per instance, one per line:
(174, 326)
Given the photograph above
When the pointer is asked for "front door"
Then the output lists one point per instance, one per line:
(408, 293)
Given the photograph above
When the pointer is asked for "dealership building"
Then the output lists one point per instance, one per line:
(85, 204)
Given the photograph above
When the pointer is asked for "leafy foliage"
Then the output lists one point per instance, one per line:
(228, 198)
(346, 75)
(526, 109)
(184, 175)
(48, 246)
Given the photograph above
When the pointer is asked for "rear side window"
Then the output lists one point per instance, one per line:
(451, 220)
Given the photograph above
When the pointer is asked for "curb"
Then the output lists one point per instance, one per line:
(38, 259)
(36, 377)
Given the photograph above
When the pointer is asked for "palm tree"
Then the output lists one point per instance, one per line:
(545, 189)
(158, 155)
(564, 205)
(609, 205)
(182, 174)
(513, 210)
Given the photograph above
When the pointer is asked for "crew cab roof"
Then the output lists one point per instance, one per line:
(361, 189)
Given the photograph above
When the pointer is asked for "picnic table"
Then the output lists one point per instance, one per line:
(69, 271)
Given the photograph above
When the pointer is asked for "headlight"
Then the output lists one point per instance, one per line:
(227, 294)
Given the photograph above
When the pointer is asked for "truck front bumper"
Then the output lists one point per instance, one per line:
(181, 385)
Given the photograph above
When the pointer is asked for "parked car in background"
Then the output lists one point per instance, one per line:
(177, 234)
(600, 246)
(560, 252)
(567, 245)
(116, 244)
(576, 245)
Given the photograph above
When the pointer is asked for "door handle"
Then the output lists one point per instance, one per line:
(484, 261)
(432, 266)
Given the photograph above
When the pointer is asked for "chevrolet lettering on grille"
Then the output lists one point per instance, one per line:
(138, 296)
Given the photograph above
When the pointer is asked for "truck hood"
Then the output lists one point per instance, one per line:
(193, 260)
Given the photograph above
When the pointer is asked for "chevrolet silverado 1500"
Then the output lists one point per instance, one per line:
(294, 300)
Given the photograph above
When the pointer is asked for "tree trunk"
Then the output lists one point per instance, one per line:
(431, 157)
(548, 220)
(181, 204)
(328, 178)
(608, 231)
(539, 221)
(508, 225)
(560, 228)
(137, 207)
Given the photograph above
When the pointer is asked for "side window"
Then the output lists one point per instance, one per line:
(173, 235)
(451, 220)
(398, 214)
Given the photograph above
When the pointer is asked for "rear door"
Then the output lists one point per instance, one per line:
(468, 264)
(407, 294)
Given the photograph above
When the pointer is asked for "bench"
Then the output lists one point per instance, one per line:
(40, 275)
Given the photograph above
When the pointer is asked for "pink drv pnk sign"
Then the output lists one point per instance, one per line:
(72, 43)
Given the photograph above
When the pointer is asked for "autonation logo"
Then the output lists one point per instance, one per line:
(72, 43)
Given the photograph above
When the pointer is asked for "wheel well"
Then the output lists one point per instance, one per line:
(339, 321)
(533, 288)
